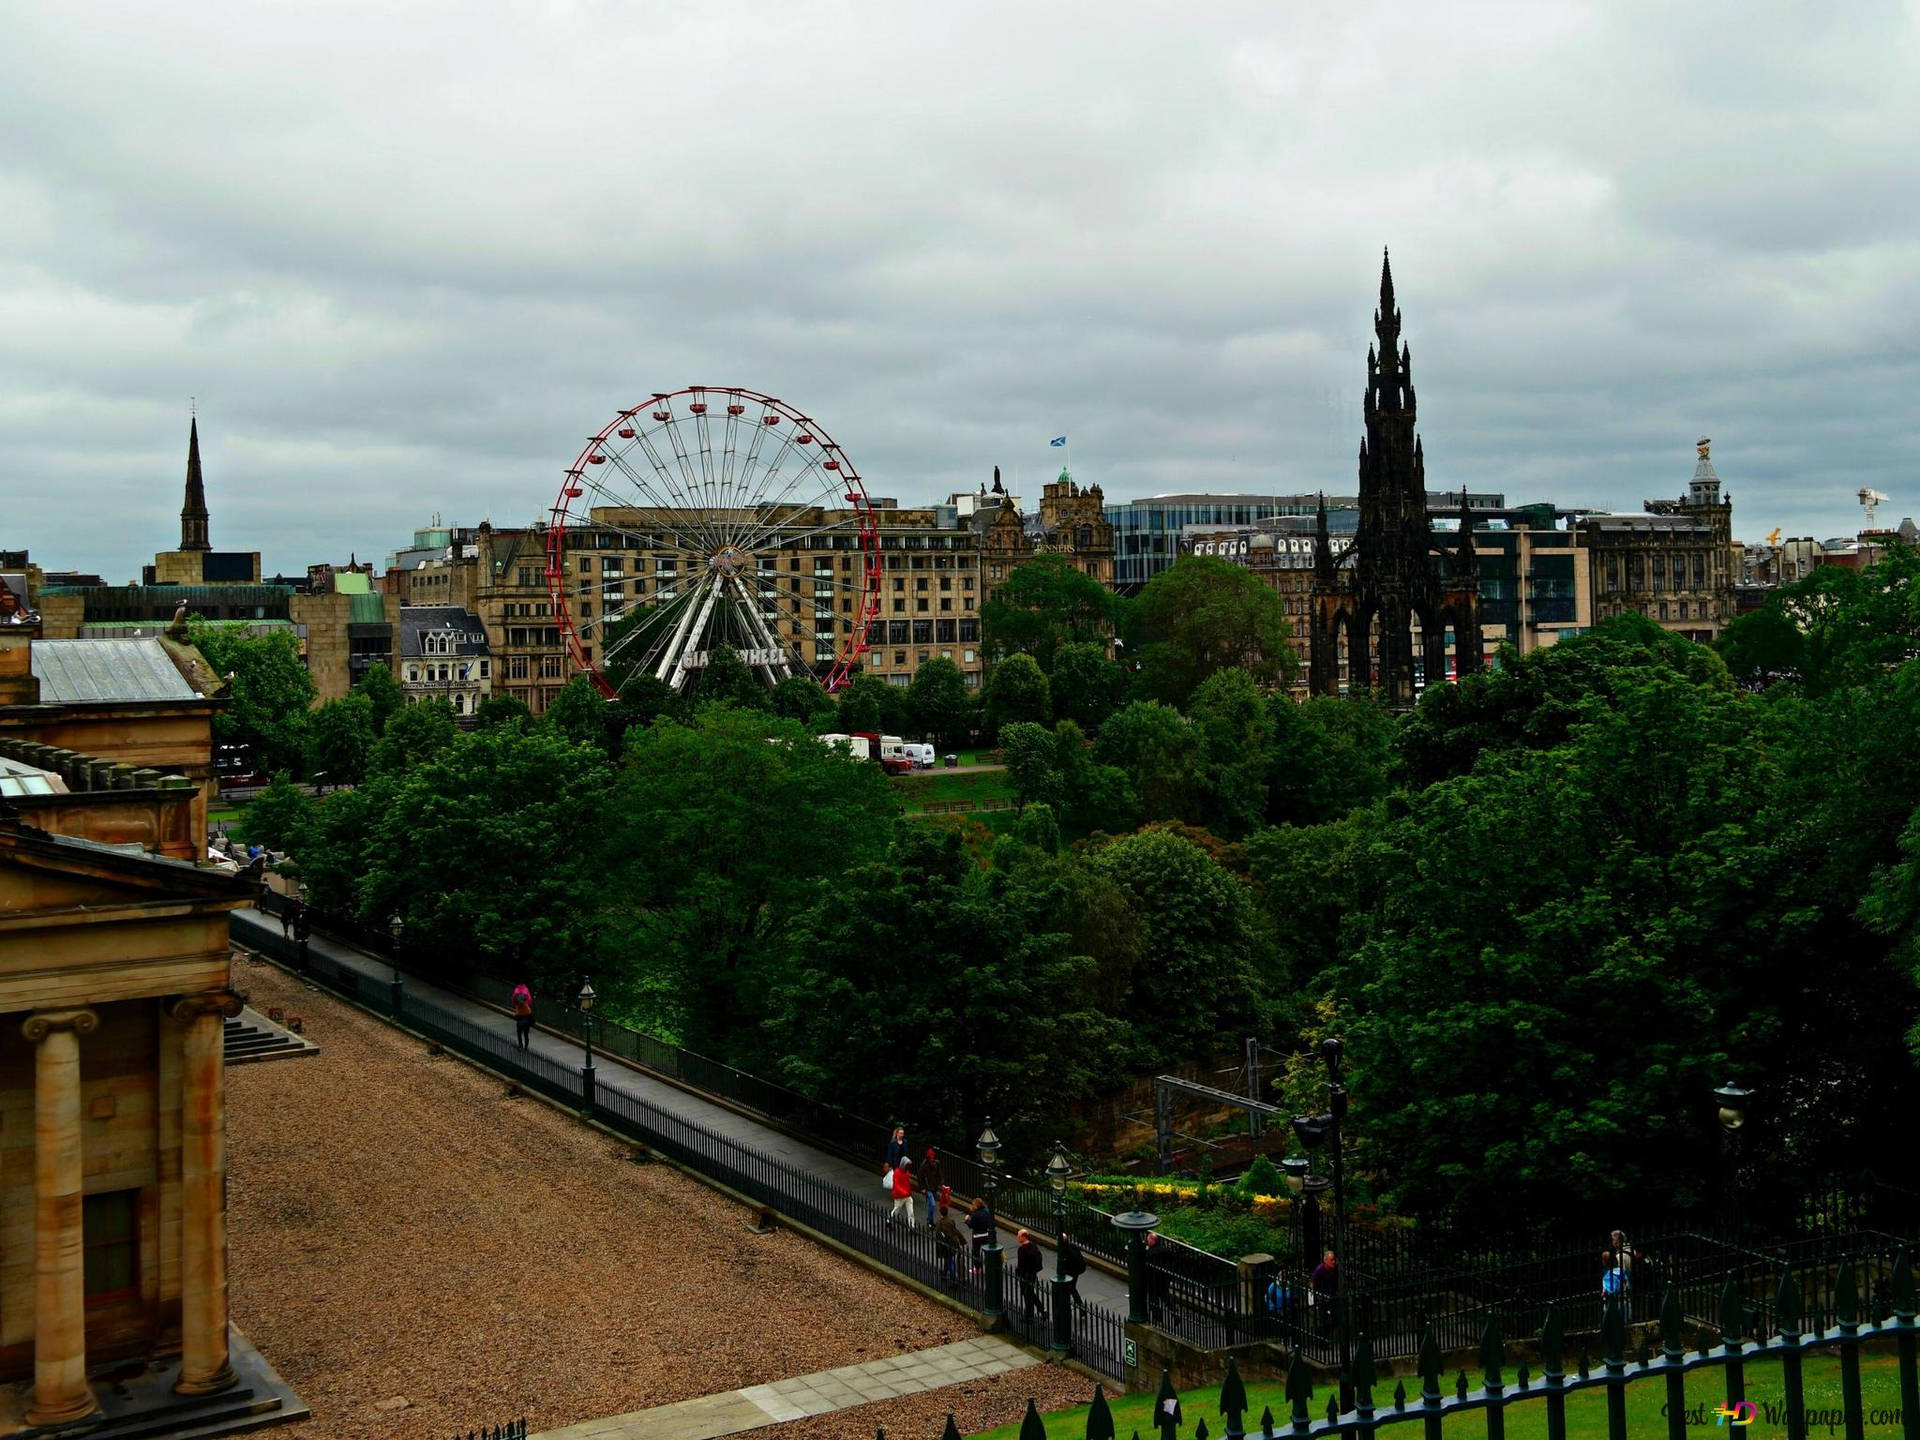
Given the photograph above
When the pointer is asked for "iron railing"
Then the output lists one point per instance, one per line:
(1503, 1390)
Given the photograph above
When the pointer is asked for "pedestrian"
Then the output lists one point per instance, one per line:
(948, 1242)
(1326, 1288)
(897, 1146)
(1615, 1284)
(930, 1182)
(1279, 1300)
(979, 1230)
(902, 1191)
(523, 1016)
(1026, 1266)
(1073, 1264)
(288, 909)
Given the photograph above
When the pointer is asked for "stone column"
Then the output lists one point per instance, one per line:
(60, 1393)
(204, 1366)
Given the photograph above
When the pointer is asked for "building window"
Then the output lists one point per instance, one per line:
(549, 667)
(516, 667)
(946, 602)
(921, 606)
(897, 632)
(923, 632)
(899, 582)
(943, 630)
(484, 667)
(110, 1224)
(969, 656)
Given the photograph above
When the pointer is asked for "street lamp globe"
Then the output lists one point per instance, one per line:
(1295, 1168)
(586, 997)
(395, 924)
(988, 1145)
(1059, 1169)
(1733, 1106)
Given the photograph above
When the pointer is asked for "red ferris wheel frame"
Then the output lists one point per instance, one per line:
(736, 412)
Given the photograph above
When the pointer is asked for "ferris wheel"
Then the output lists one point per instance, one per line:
(713, 516)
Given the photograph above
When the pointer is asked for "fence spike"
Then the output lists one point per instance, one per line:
(1033, 1427)
(1200, 1429)
(1233, 1397)
(1733, 1315)
(1523, 1376)
(1364, 1374)
(1902, 1286)
(1166, 1405)
(1846, 1296)
(1553, 1345)
(1673, 1324)
(1099, 1417)
(1786, 1304)
(1460, 1386)
(1492, 1352)
(1613, 1334)
(1585, 1368)
(1299, 1387)
(952, 1432)
(1646, 1353)
(1266, 1422)
(1430, 1366)
(879, 1432)
(1333, 1406)
(1399, 1394)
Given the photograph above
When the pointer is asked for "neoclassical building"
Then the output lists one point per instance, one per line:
(1394, 608)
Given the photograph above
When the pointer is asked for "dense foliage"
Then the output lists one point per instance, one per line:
(1547, 911)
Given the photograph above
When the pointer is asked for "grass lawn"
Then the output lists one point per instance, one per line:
(943, 785)
(224, 814)
(1586, 1411)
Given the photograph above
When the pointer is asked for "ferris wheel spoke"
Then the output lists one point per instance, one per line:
(697, 494)
(640, 483)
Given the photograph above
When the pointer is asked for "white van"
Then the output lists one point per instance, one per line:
(920, 755)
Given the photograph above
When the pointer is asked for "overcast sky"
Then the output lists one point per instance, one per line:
(407, 257)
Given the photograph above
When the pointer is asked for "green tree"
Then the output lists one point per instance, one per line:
(278, 818)
(1031, 764)
(939, 705)
(580, 712)
(1044, 604)
(1836, 628)
(870, 705)
(498, 710)
(1155, 748)
(1570, 946)
(1196, 989)
(1087, 687)
(719, 839)
(419, 733)
(269, 693)
(918, 986)
(1228, 717)
(1015, 690)
(1327, 756)
(801, 698)
(492, 853)
(341, 740)
(1536, 700)
(1203, 614)
(728, 680)
(383, 692)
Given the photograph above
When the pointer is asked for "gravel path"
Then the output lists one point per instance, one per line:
(419, 1255)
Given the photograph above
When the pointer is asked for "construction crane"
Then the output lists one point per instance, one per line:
(1870, 500)
(1773, 536)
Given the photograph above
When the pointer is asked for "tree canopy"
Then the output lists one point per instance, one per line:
(1204, 614)
(1044, 603)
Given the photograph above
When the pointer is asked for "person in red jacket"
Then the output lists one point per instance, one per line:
(902, 1192)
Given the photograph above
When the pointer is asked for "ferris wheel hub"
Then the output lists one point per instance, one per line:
(730, 560)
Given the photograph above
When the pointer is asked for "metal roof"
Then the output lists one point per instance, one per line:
(77, 671)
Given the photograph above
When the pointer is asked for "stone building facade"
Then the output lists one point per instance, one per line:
(1677, 564)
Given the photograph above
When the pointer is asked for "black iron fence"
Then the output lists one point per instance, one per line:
(1504, 1389)
(512, 1430)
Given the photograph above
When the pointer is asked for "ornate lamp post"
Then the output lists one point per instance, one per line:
(1059, 1169)
(989, 1147)
(395, 925)
(1733, 1116)
(585, 1000)
(1136, 1224)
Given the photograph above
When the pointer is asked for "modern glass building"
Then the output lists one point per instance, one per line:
(1146, 533)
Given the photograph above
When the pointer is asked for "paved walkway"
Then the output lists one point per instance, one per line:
(817, 1394)
(613, 1074)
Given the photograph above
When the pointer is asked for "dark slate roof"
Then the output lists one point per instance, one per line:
(74, 672)
(417, 620)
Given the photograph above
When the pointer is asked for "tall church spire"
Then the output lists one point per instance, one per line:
(193, 514)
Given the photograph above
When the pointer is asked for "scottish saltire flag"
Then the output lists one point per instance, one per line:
(1058, 443)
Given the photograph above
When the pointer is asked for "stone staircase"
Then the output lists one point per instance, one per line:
(253, 1037)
